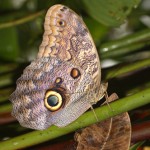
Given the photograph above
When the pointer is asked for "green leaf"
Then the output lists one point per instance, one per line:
(6, 5)
(136, 146)
(97, 30)
(108, 12)
(9, 48)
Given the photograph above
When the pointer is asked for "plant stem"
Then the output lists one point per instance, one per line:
(4, 94)
(116, 72)
(124, 50)
(21, 20)
(5, 108)
(8, 67)
(103, 112)
(117, 45)
(133, 38)
(6, 79)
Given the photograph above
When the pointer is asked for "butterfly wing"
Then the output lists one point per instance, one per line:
(67, 37)
(58, 86)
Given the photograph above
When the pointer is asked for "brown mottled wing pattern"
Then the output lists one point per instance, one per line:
(112, 134)
(66, 37)
(67, 44)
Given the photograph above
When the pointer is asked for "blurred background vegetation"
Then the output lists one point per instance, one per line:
(121, 32)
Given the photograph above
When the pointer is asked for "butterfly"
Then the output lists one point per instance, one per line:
(65, 78)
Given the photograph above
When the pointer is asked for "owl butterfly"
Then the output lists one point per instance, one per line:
(64, 80)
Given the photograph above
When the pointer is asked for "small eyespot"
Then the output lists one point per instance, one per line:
(53, 100)
(63, 9)
(61, 23)
(58, 80)
(75, 73)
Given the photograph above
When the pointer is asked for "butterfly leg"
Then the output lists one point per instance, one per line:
(103, 93)
(110, 98)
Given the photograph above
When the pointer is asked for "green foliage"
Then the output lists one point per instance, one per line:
(21, 29)
(99, 29)
(108, 12)
(136, 146)
(9, 46)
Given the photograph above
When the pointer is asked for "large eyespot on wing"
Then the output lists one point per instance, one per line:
(55, 98)
(28, 98)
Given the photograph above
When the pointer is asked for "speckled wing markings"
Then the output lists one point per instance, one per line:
(58, 86)
(66, 37)
(111, 134)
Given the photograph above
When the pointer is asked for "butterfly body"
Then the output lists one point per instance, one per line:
(66, 72)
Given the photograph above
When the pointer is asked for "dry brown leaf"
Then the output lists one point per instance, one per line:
(111, 134)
